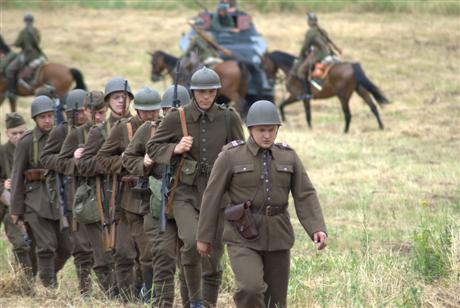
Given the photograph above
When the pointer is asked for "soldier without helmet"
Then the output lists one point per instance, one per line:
(30, 200)
(210, 127)
(18, 236)
(258, 175)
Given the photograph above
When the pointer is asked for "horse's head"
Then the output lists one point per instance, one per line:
(158, 65)
(269, 66)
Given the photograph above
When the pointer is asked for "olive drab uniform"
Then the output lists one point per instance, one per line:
(125, 253)
(210, 129)
(23, 247)
(30, 199)
(103, 260)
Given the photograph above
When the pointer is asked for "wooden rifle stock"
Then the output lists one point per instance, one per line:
(226, 52)
(113, 200)
(100, 207)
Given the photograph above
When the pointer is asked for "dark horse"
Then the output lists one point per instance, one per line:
(57, 75)
(233, 76)
(342, 80)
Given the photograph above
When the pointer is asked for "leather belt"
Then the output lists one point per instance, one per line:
(270, 210)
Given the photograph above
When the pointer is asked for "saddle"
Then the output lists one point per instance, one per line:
(321, 70)
(28, 75)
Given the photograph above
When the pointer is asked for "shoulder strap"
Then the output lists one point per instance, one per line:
(183, 122)
(35, 149)
(152, 129)
(227, 124)
(129, 129)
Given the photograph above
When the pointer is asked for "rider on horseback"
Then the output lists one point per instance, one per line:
(199, 50)
(318, 42)
(28, 40)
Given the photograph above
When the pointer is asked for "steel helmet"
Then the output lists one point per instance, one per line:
(41, 104)
(28, 17)
(94, 100)
(117, 84)
(263, 113)
(147, 99)
(311, 16)
(168, 97)
(204, 79)
(75, 100)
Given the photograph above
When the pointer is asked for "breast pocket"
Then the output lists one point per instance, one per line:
(283, 174)
(245, 175)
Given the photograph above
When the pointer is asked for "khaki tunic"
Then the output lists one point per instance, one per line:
(238, 172)
(314, 38)
(29, 41)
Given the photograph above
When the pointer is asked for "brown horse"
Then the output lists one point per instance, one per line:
(232, 74)
(57, 75)
(342, 81)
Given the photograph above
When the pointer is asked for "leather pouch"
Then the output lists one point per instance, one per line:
(240, 216)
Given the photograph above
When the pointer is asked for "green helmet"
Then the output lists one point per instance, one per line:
(94, 100)
(28, 17)
(117, 84)
(47, 90)
(147, 99)
(75, 100)
(262, 113)
(41, 104)
(204, 79)
(311, 16)
(168, 97)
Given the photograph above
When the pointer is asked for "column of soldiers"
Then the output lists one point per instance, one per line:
(128, 195)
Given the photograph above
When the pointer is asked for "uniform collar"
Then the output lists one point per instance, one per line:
(196, 112)
(255, 149)
(38, 133)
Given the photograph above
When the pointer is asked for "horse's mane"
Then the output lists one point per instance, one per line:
(3, 46)
(281, 58)
(169, 59)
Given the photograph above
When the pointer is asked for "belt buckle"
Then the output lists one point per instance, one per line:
(204, 169)
(268, 210)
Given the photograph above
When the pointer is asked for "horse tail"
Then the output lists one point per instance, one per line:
(78, 77)
(244, 79)
(362, 80)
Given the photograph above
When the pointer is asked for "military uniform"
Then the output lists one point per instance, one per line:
(314, 38)
(222, 23)
(210, 129)
(22, 249)
(30, 199)
(264, 177)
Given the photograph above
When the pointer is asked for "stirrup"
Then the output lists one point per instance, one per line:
(316, 85)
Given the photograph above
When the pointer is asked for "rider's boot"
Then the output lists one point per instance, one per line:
(11, 91)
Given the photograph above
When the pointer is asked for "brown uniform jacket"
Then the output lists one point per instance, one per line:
(109, 158)
(74, 139)
(6, 163)
(50, 152)
(238, 172)
(30, 196)
(210, 133)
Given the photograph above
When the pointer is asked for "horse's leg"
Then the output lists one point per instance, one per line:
(12, 104)
(345, 102)
(307, 107)
(367, 98)
(291, 99)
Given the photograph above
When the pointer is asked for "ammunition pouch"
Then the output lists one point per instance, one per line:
(35, 175)
(189, 171)
(130, 180)
(85, 207)
(240, 216)
(155, 197)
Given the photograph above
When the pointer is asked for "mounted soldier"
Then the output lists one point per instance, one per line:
(31, 54)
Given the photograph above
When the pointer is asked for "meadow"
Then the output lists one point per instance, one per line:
(391, 198)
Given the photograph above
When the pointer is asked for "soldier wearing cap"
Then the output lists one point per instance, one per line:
(118, 96)
(134, 192)
(29, 42)
(222, 21)
(18, 236)
(81, 247)
(30, 200)
(259, 174)
(210, 126)
(163, 244)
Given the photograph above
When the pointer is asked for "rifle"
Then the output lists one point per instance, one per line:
(329, 41)
(226, 52)
(100, 206)
(74, 125)
(91, 106)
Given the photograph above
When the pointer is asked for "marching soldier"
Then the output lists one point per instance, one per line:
(258, 175)
(29, 41)
(210, 127)
(30, 197)
(62, 188)
(163, 244)
(134, 190)
(118, 96)
(18, 235)
(94, 109)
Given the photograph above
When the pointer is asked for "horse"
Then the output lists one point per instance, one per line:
(57, 75)
(233, 77)
(342, 81)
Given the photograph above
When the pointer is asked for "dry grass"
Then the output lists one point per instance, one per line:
(377, 188)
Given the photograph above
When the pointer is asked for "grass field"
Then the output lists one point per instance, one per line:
(391, 198)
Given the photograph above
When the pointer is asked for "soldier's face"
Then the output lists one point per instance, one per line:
(116, 101)
(148, 115)
(13, 134)
(205, 98)
(45, 121)
(83, 116)
(264, 135)
(99, 115)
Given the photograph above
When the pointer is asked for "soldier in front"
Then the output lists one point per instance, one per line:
(30, 200)
(258, 176)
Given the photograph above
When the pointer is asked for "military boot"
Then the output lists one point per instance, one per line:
(47, 272)
(12, 84)
(183, 290)
(106, 281)
(26, 270)
(84, 280)
(146, 293)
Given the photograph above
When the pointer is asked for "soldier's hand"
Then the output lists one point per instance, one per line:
(204, 249)
(320, 239)
(184, 145)
(7, 184)
(147, 160)
(14, 218)
(78, 153)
